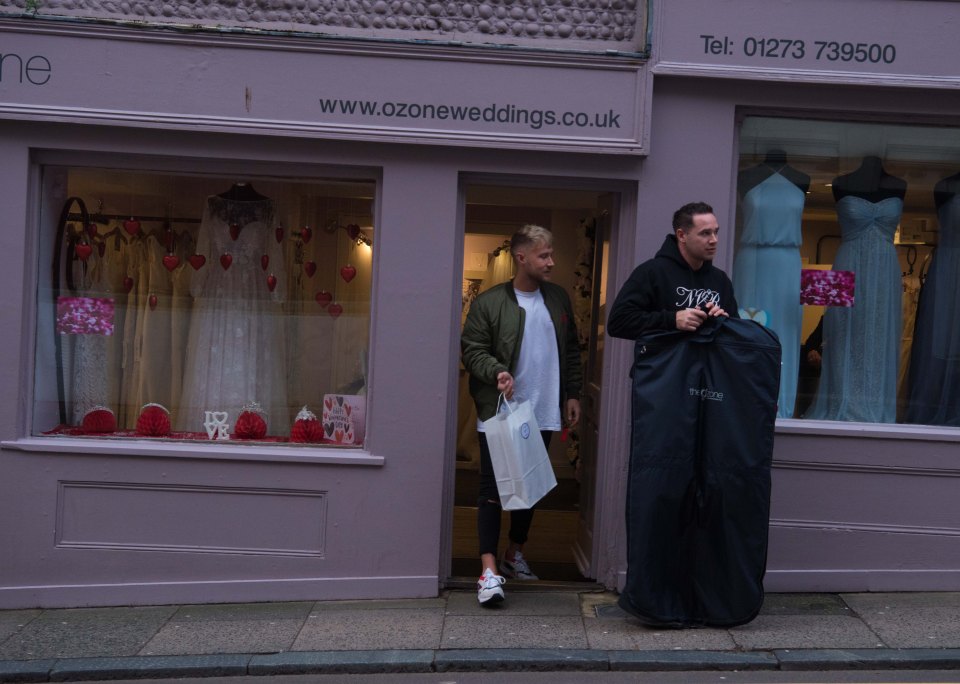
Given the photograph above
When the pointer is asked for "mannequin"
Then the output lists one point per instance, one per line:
(242, 192)
(766, 272)
(934, 378)
(861, 343)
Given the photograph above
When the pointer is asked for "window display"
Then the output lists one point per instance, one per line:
(203, 308)
(844, 248)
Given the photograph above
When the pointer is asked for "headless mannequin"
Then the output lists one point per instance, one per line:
(946, 189)
(870, 182)
(774, 162)
(242, 192)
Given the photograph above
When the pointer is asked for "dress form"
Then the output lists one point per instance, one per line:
(766, 275)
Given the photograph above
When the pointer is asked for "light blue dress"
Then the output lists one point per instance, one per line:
(861, 344)
(766, 272)
(935, 357)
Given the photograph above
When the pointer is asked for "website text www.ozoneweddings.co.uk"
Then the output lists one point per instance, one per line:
(493, 113)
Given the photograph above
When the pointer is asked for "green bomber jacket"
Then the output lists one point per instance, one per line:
(490, 343)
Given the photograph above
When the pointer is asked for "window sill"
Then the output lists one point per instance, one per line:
(186, 450)
(926, 433)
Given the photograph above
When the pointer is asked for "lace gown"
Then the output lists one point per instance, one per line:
(236, 344)
(861, 344)
(934, 378)
(766, 272)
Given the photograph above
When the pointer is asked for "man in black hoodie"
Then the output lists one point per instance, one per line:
(680, 287)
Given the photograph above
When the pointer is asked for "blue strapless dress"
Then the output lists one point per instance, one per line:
(934, 378)
(766, 272)
(861, 344)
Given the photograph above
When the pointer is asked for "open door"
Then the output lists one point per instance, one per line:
(590, 398)
(560, 544)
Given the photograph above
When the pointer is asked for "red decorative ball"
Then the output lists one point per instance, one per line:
(154, 421)
(306, 428)
(250, 425)
(98, 420)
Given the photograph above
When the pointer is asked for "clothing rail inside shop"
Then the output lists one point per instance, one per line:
(106, 218)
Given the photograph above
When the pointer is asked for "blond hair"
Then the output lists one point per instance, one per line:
(530, 234)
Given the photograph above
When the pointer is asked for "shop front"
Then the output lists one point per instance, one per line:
(826, 137)
(237, 266)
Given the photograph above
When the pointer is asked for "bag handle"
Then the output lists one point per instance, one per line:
(506, 402)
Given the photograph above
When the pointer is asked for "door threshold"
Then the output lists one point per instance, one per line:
(463, 583)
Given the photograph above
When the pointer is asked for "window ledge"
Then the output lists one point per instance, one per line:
(927, 433)
(186, 450)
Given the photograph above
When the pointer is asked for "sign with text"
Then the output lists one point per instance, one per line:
(897, 42)
(296, 86)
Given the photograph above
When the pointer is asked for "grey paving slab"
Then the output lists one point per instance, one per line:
(869, 659)
(609, 635)
(517, 603)
(438, 603)
(86, 632)
(222, 636)
(887, 600)
(804, 604)
(335, 662)
(25, 670)
(540, 659)
(12, 621)
(916, 627)
(659, 661)
(647, 639)
(343, 630)
(80, 669)
(804, 631)
(509, 631)
(235, 612)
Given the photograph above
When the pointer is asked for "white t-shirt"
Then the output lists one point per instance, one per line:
(537, 376)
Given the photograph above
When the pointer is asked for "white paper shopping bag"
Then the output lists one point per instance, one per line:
(520, 460)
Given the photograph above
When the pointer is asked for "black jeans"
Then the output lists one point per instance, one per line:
(488, 505)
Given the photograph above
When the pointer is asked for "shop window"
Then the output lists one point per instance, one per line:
(848, 246)
(186, 307)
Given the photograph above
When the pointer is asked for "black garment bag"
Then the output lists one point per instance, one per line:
(698, 493)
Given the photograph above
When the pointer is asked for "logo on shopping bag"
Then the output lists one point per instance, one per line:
(525, 430)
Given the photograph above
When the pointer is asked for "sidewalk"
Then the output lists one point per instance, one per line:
(532, 630)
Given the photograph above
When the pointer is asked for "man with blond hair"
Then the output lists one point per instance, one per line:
(520, 340)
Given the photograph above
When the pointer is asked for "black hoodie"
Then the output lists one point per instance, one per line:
(660, 287)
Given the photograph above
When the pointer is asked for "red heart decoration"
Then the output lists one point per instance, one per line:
(348, 273)
(279, 233)
(265, 261)
(197, 261)
(271, 282)
(323, 298)
(92, 230)
(306, 234)
(328, 404)
(338, 435)
(153, 302)
(84, 251)
(234, 231)
(132, 226)
(310, 267)
(171, 261)
(348, 409)
(334, 310)
(128, 283)
(225, 261)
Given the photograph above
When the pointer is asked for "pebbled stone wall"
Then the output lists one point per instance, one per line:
(590, 25)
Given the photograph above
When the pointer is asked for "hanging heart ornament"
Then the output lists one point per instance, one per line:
(279, 233)
(225, 261)
(310, 267)
(348, 273)
(334, 310)
(234, 231)
(171, 261)
(132, 226)
(83, 251)
(323, 298)
(271, 282)
(197, 261)
(264, 261)
(305, 234)
(128, 283)
(153, 301)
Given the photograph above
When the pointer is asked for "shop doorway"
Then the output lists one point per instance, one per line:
(561, 538)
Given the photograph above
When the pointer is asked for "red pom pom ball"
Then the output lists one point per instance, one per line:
(154, 421)
(306, 428)
(98, 420)
(250, 424)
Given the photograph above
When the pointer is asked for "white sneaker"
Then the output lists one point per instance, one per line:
(490, 588)
(518, 569)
